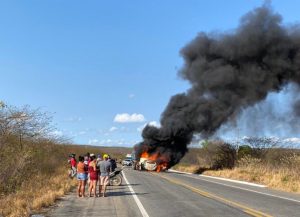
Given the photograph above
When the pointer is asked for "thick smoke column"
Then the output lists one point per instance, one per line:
(227, 72)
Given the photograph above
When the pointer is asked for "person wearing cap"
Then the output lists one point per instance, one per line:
(105, 168)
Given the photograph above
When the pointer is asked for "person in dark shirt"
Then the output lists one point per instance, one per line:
(113, 163)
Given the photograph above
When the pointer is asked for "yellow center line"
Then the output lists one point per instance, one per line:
(244, 208)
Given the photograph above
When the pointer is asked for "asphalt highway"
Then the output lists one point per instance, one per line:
(170, 194)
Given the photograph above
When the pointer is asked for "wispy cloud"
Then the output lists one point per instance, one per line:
(106, 142)
(293, 140)
(57, 133)
(93, 142)
(127, 118)
(112, 129)
(73, 119)
(112, 142)
(131, 96)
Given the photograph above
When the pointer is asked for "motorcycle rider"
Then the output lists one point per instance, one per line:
(113, 163)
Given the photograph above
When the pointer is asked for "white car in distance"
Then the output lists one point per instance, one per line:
(127, 162)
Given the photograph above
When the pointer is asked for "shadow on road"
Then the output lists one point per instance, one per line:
(130, 184)
(122, 193)
(117, 188)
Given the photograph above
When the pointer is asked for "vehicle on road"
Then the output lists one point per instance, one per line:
(115, 178)
(146, 164)
(150, 165)
(127, 162)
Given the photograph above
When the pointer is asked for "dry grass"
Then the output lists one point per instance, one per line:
(284, 176)
(277, 168)
(278, 178)
(186, 168)
(37, 176)
(40, 192)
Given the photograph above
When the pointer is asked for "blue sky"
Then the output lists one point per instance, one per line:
(85, 62)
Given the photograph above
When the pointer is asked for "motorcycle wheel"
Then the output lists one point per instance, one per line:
(116, 180)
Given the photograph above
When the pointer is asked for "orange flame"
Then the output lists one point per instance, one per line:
(157, 158)
(145, 155)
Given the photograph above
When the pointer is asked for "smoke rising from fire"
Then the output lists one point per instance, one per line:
(272, 117)
(227, 73)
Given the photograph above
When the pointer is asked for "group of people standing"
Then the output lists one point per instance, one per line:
(91, 169)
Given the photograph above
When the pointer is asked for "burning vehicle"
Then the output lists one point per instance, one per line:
(151, 163)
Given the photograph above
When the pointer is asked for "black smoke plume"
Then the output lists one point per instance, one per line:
(227, 72)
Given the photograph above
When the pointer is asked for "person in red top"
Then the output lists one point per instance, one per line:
(93, 176)
(73, 163)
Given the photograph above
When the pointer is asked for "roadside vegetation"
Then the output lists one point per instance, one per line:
(34, 168)
(258, 160)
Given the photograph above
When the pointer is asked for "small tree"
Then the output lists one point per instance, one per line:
(24, 123)
(261, 146)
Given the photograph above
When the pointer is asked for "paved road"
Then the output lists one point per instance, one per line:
(172, 194)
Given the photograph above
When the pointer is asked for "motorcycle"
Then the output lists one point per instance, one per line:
(115, 178)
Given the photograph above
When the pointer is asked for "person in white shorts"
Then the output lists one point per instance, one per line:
(105, 168)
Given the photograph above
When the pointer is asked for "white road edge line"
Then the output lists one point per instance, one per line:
(245, 189)
(176, 171)
(135, 197)
(223, 179)
(236, 181)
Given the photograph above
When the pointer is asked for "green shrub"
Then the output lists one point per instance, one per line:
(244, 150)
(219, 155)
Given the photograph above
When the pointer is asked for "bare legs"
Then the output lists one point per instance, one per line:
(104, 190)
(92, 187)
(102, 185)
(81, 188)
(100, 189)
